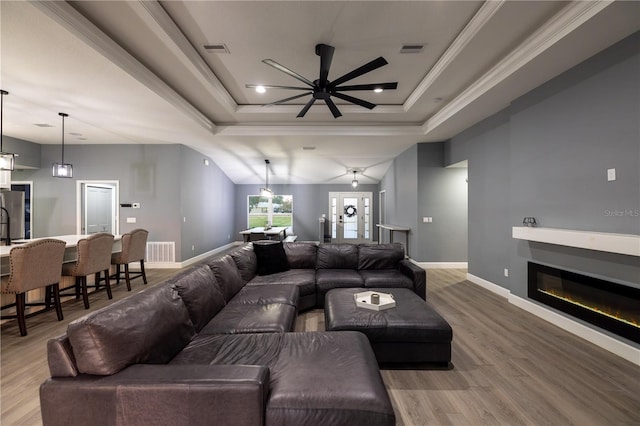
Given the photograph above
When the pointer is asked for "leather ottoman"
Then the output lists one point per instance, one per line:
(411, 332)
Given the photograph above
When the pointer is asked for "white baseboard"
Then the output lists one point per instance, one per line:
(441, 265)
(494, 288)
(602, 340)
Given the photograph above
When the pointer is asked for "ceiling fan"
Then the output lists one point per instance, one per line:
(324, 89)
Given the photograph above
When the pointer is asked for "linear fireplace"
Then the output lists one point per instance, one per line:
(608, 305)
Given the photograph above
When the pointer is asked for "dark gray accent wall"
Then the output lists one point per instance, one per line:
(310, 202)
(400, 184)
(486, 148)
(547, 156)
(442, 195)
(418, 185)
(164, 179)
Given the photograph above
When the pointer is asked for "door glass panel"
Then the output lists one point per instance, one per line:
(367, 215)
(334, 218)
(350, 215)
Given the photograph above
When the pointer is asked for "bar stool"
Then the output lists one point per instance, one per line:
(34, 265)
(134, 246)
(94, 256)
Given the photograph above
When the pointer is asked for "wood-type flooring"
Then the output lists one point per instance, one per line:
(508, 366)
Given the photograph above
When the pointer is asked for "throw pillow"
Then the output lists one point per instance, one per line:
(271, 258)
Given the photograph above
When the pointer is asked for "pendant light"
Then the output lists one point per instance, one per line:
(266, 192)
(62, 169)
(354, 182)
(7, 159)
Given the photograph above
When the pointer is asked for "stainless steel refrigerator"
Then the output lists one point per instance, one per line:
(12, 203)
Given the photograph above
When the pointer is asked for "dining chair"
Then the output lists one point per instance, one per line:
(94, 257)
(134, 246)
(34, 265)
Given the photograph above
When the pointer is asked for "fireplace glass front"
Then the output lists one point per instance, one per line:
(606, 304)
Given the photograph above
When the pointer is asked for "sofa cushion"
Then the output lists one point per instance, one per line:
(227, 275)
(380, 256)
(337, 256)
(148, 327)
(327, 279)
(263, 295)
(304, 279)
(200, 293)
(271, 258)
(243, 318)
(246, 261)
(301, 255)
(390, 278)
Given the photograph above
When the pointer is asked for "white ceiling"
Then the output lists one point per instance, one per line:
(137, 72)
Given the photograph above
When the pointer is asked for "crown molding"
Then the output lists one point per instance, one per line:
(315, 130)
(85, 30)
(479, 20)
(161, 24)
(559, 26)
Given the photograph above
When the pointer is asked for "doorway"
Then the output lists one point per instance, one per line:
(351, 219)
(97, 207)
(27, 188)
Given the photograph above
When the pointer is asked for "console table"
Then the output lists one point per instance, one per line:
(395, 228)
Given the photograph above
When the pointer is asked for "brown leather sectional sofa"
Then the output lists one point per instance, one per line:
(215, 345)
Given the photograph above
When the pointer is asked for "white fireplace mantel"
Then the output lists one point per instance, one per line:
(601, 241)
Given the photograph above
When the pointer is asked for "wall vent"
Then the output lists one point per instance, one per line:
(216, 48)
(161, 252)
(412, 48)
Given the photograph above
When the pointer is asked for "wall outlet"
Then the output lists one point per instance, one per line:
(506, 272)
(427, 219)
(184, 219)
(611, 175)
(131, 220)
(193, 248)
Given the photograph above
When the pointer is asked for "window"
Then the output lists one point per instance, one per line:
(277, 211)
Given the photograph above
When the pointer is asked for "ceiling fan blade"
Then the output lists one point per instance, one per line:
(334, 109)
(304, 110)
(286, 70)
(353, 100)
(326, 56)
(281, 101)
(253, 86)
(368, 67)
(385, 86)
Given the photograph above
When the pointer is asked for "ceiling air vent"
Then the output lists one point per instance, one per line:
(412, 48)
(42, 125)
(216, 48)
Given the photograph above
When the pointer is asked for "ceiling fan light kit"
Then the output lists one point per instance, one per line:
(323, 88)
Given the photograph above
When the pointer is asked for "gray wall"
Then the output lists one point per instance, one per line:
(310, 202)
(400, 184)
(486, 148)
(28, 153)
(164, 179)
(547, 156)
(417, 185)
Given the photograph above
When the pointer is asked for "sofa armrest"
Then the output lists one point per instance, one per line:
(159, 394)
(417, 275)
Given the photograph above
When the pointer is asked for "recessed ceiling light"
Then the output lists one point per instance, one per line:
(260, 89)
(378, 90)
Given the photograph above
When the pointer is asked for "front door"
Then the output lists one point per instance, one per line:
(350, 214)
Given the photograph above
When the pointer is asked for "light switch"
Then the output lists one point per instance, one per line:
(131, 220)
(611, 175)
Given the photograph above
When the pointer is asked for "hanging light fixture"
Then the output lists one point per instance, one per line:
(266, 192)
(354, 182)
(7, 159)
(62, 169)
